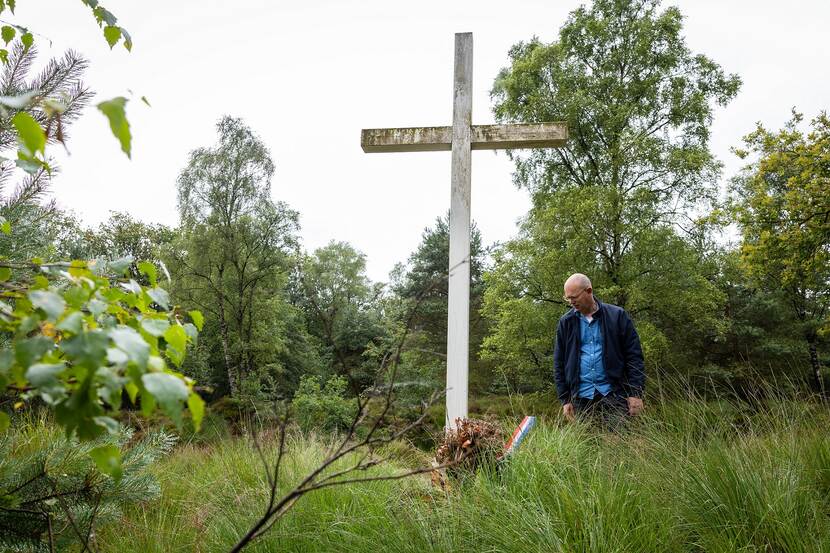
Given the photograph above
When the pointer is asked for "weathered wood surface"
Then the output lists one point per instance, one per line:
(412, 139)
(483, 137)
(458, 301)
(515, 136)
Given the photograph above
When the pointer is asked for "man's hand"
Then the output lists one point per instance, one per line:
(635, 405)
(568, 411)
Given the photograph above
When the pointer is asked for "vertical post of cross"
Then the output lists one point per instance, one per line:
(458, 309)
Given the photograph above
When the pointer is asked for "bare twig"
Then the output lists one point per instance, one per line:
(89, 529)
(75, 528)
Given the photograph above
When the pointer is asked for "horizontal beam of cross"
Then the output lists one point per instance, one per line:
(484, 137)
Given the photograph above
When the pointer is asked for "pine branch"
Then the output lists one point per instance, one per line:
(60, 74)
(13, 79)
(30, 191)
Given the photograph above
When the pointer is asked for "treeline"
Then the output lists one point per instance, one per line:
(636, 200)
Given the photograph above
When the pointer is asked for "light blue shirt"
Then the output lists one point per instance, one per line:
(592, 375)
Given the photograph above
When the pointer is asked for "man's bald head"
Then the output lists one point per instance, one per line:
(579, 280)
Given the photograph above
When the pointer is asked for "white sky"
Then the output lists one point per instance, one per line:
(308, 76)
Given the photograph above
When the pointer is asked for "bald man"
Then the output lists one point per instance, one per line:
(597, 358)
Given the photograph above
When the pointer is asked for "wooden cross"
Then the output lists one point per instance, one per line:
(461, 138)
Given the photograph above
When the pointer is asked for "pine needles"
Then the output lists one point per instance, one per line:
(52, 495)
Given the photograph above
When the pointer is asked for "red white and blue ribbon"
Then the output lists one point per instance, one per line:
(519, 434)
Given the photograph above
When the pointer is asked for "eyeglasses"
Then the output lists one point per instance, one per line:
(572, 298)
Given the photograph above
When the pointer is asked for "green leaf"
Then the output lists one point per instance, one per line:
(112, 34)
(30, 164)
(6, 360)
(43, 374)
(7, 33)
(197, 318)
(160, 296)
(156, 363)
(30, 133)
(27, 39)
(44, 377)
(120, 265)
(130, 342)
(117, 357)
(128, 40)
(155, 327)
(170, 392)
(5, 273)
(96, 306)
(74, 323)
(76, 296)
(176, 337)
(30, 350)
(29, 323)
(132, 287)
(132, 391)
(191, 332)
(147, 268)
(175, 355)
(76, 413)
(112, 386)
(108, 460)
(102, 15)
(114, 110)
(79, 268)
(51, 303)
(109, 423)
(5, 227)
(197, 409)
(88, 349)
(4, 55)
(5, 421)
(148, 403)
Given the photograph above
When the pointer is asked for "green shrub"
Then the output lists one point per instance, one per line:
(323, 408)
(50, 484)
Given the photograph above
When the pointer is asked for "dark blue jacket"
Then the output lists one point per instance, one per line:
(621, 353)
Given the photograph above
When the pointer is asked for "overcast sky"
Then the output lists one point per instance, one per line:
(308, 76)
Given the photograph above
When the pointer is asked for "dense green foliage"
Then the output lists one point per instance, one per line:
(323, 409)
(342, 311)
(80, 334)
(783, 209)
(233, 252)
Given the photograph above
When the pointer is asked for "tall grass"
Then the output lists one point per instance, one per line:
(692, 475)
